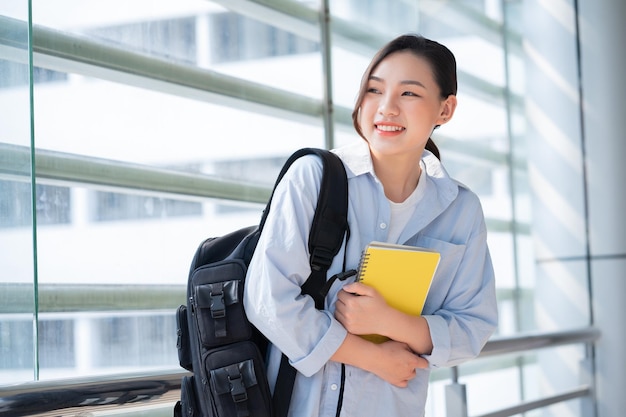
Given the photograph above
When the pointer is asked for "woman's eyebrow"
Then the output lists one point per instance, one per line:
(405, 82)
(413, 82)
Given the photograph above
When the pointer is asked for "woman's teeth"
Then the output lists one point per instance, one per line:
(386, 128)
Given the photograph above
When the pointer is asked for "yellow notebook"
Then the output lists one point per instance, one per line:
(401, 274)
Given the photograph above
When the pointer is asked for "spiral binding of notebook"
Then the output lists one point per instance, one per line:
(363, 265)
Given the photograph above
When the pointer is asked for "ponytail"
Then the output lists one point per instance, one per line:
(430, 146)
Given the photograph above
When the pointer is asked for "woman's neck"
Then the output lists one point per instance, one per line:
(399, 176)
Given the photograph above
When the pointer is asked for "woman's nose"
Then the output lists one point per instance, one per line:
(388, 106)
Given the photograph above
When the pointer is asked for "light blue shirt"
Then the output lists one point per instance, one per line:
(460, 309)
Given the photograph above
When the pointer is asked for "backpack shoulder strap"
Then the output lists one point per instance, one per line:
(330, 221)
(330, 224)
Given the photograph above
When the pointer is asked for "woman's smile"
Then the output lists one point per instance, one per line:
(388, 128)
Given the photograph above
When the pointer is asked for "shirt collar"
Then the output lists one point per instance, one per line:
(358, 161)
(356, 157)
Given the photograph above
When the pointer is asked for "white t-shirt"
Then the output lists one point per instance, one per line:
(402, 212)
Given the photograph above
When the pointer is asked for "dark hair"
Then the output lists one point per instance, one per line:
(440, 58)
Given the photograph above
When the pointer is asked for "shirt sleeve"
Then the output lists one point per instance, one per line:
(468, 314)
(279, 267)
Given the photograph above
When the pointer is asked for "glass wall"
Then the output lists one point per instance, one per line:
(155, 124)
(18, 279)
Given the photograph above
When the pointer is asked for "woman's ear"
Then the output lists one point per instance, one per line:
(448, 106)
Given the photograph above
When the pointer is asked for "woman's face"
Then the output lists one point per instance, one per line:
(402, 105)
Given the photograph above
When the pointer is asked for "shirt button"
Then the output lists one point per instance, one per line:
(383, 225)
(333, 387)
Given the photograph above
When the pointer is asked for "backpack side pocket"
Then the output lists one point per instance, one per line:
(182, 339)
(187, 406)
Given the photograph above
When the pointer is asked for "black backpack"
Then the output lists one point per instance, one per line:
(224, 352)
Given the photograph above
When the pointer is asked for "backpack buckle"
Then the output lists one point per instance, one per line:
(321, 259)
(218, 308)
(237, 388)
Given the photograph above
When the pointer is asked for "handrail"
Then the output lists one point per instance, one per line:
(89, 394)
(304, 21)
(56, 168)
(73, 53)
(59, 167)
(526, 406)
(162, 388)
(16, 298)
(538, 340)
(532, 341)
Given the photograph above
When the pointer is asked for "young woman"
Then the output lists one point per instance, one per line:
(399, 192)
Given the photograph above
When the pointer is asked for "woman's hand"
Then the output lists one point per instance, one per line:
(391, 361)
(361, 309)
(397, 363)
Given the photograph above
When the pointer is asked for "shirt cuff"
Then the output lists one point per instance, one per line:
(440, 337)
(325, 349)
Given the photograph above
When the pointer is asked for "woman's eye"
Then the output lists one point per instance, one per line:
(373, 90)
(409, 93)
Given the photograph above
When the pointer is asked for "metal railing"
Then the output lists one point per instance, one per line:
(154, 394)
(456, 398)
(59, 168)
(72, 53)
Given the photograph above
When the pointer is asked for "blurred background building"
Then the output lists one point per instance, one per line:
(131, 131)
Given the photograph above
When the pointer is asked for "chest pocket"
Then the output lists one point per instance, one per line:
(451, 256)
